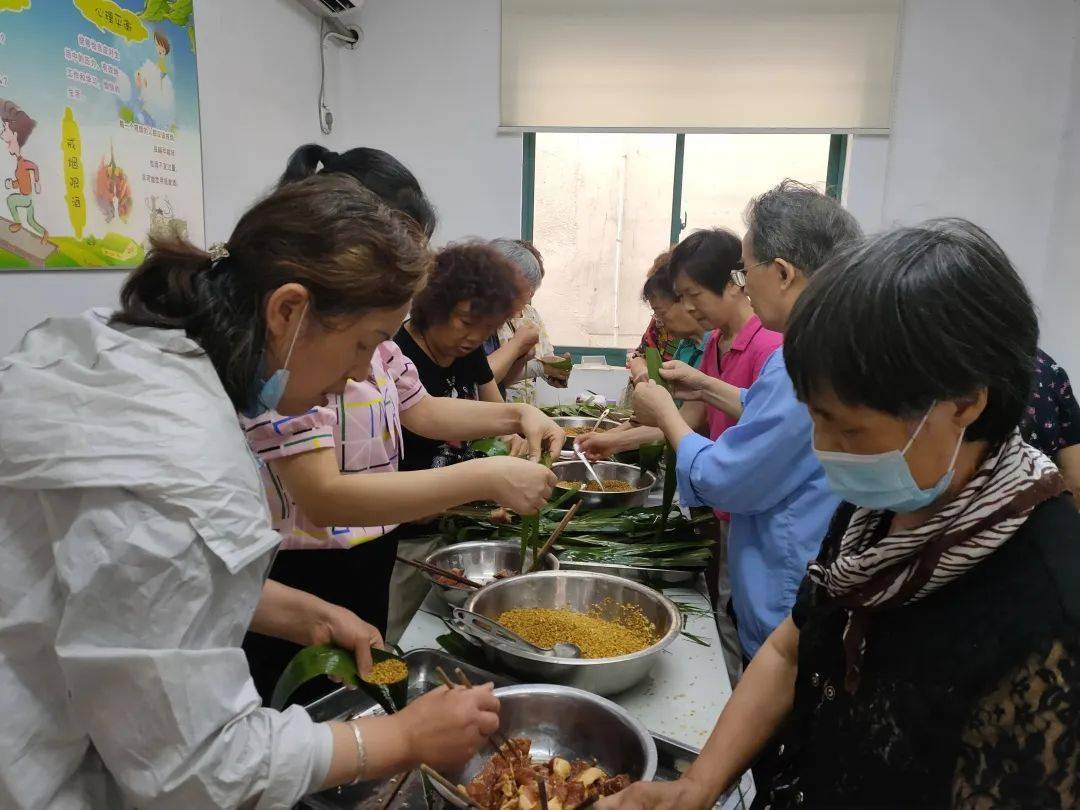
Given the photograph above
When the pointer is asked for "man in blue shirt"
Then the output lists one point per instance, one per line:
(763, 469)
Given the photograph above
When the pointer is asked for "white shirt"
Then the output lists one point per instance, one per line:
(523, 389)
(134, 541)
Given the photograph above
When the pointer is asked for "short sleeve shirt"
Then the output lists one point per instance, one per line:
(363, 426)
(461, 379)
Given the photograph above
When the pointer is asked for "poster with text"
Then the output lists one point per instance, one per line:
(99, 104)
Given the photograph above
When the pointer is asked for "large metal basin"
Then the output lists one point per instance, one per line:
(577, 590)
(572, 724)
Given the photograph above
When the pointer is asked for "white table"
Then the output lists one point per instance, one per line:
(681, 698)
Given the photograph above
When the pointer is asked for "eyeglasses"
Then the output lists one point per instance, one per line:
(738, 275)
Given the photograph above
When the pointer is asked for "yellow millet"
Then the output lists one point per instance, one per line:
(391, 670)
(610, 485)
(597, 637)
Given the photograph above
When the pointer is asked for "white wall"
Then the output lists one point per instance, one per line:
(258, 79)
(424, 85)
(1060, 293)
(980, 131)
(982, 105)
(986, 126)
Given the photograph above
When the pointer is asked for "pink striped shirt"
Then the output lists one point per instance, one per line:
(363, 426)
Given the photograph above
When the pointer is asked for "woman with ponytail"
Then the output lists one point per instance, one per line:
(331, 474)
(134, 534)
(378, 171)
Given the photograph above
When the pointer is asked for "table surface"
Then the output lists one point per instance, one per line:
(682, 696)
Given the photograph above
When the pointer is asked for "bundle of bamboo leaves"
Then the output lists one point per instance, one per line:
(587, 409)
(618, 536)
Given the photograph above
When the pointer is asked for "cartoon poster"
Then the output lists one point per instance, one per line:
(99, 105)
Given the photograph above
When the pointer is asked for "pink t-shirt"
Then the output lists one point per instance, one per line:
(363, 425)
(739, 366)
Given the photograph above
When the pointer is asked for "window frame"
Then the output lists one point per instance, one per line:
(834, 186)
(834, 180)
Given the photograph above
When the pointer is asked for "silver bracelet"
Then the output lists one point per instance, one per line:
(361, 753)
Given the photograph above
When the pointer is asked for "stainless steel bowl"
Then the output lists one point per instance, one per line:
(481, 559)
(581, 591)
(580, 421)
(607, 470)
(572, 724)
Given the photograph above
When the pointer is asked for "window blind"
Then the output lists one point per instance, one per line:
(698, 65)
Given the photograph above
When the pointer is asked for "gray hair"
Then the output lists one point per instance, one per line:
(522, 258)
(798, 223)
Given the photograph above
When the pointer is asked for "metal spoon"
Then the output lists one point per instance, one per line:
(588, 466)
(475, 624)
(605, 412)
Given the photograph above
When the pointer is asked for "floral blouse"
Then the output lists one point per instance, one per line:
(657, 337)
(1051, 421)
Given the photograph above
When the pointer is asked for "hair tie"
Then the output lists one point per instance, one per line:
(218, 253)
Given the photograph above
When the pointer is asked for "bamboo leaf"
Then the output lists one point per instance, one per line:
(490, 447)
(333, 661)
(654, 360)
(669, 488)
(696, 639)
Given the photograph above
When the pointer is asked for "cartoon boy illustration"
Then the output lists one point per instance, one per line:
(163, 49)
(17, 126)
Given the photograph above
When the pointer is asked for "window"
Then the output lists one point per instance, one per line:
(601, 206)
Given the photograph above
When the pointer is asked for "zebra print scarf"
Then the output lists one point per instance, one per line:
(873, 569)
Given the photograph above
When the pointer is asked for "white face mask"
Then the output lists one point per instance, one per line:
(884, 480)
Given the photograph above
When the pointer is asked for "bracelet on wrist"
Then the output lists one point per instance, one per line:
(361, 753)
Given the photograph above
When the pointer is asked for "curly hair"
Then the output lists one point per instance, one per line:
(472, 273)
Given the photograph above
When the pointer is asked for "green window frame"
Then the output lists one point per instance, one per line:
(834, 180)
(528, 184)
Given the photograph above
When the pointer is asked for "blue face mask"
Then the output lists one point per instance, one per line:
(267, 393)
(883, 480)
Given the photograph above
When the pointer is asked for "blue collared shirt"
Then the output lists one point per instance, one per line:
(764, 472)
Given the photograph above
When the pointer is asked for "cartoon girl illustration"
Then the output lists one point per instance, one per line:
(17, 126)
(163, 49)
